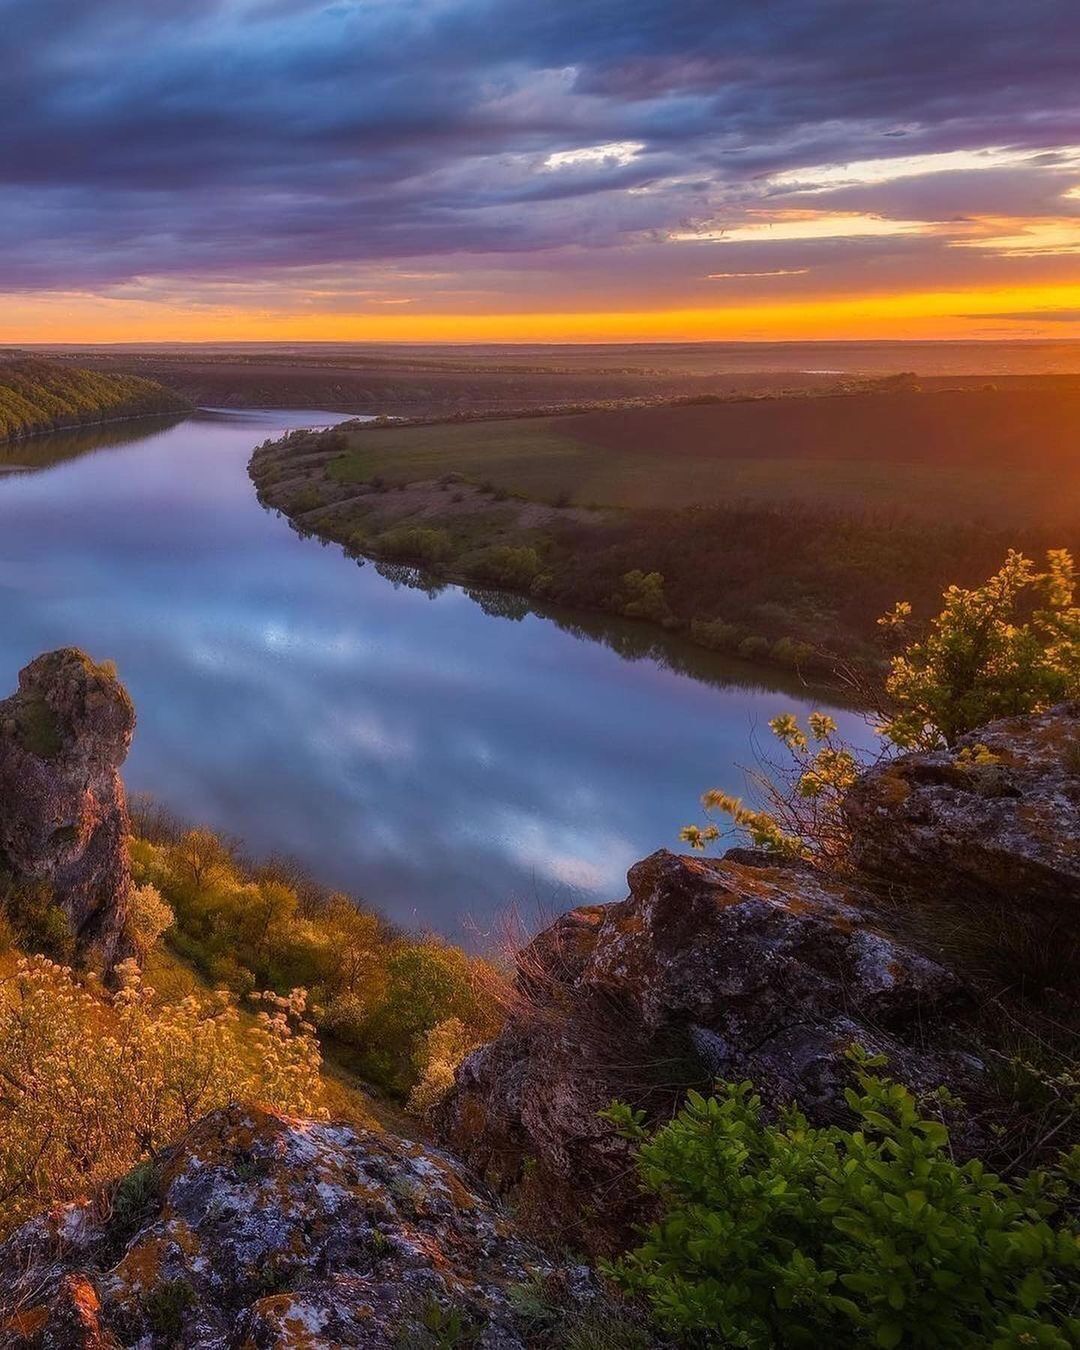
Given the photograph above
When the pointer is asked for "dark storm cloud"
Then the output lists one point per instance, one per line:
(219, 136)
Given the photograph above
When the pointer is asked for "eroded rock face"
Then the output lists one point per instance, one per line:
(997, 818)
(63, 818)
(733, 968)
(272, 1232)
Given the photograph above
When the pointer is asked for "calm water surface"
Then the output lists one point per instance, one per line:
(441, 757)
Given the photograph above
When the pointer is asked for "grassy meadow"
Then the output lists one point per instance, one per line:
(1005, 453)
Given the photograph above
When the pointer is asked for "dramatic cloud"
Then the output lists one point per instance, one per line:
(466, 156)
(870, 172)
(782, 226)
(1028, 239)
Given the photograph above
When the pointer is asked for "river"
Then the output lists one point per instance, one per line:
(444, 759)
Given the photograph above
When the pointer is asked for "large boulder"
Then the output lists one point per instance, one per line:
(265, 1231)
(739, 968)
(63, 817)
(996, 818)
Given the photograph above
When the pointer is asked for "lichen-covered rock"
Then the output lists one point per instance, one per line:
(733, 968)
(271, 1232)
(996, 818)
(63, 818)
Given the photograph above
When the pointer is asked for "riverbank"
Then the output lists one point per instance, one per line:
(773, 529)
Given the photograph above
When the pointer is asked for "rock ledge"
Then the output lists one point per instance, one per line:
(265, 1231)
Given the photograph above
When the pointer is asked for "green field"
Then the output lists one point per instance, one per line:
(526, 456)
(537, 461)
(1007, 455)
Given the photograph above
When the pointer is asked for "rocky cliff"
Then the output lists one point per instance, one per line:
(63, 817)
(997, 817)
(261, 1231)
(748, 968)
(736, 968)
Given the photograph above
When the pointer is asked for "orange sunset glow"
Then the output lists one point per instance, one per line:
(914, 315)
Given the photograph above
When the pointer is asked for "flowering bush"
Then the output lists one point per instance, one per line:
(148, 917)
(91, 1083)
(441, 1051)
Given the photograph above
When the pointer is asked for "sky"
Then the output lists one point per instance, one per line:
(539, 170)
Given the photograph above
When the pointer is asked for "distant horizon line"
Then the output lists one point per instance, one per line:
(16, 345)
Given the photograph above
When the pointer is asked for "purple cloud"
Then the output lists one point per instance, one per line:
(220, 138)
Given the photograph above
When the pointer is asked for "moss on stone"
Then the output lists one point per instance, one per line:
(38, 728)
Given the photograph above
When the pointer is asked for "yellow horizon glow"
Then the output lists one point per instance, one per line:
(915, 315)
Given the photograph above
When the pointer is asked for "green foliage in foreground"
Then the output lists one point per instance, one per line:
(38, 395)
(787, 1235)
(402, 1009)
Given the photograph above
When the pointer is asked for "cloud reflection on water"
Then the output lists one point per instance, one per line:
(412, 748)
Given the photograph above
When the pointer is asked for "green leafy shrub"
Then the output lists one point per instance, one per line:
(754, 648)
(166, 1306)
(437, 1327)
(504, 565)
(424, 984)
(715, 634)
(1009, 646)
(132, 1198)
(436, 1057)
(788, 652)
(414, 543)
(787, 1235)
(642, 596)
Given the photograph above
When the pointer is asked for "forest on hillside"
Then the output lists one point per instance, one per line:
(37, 395)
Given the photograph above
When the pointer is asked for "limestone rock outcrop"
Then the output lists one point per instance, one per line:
(733, 968)
(63, 816)
(995, 818)
(749, 967)
(264, 1231)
